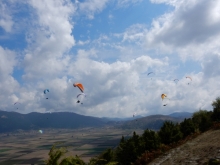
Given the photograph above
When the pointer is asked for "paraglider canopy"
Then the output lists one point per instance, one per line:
(46, 90)
(150, 73)
(79, 85)
(163, 96)
(81, 97)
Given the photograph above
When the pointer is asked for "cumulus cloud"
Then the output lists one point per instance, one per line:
(8, 85)
(6, 21)
(50, 40)
(190, 26)
(114, 67)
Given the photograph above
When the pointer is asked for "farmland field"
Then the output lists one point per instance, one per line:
(32, 147)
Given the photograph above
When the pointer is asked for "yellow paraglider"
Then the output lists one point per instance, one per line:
(163, 96)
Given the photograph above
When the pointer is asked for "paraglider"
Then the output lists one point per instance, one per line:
(164, 96)
(150, 73)
(80, 86)
(176, 80)
(46, 91)
(134, 114)
(17, 103)
(188, 77)
(81, 97)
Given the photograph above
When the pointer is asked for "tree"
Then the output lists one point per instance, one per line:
(128, 150)
(187, 127)
(202, 120)
(106, 157)
(72, 160)
(55, 155)
(216, 109)
(151, 140)
(170, 133)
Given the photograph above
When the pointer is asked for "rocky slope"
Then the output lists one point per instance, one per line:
(198, 151)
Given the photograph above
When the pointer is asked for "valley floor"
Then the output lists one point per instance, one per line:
(32, 147)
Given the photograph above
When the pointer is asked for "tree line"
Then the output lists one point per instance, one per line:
(141, 149)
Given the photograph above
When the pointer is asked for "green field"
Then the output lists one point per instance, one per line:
(32, 147)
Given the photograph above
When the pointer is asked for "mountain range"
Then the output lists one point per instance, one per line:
(11, 121)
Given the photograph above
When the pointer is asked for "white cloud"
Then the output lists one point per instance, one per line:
(8, 85)
(50, 40)
(92, 7)
(6, 21)
(114, 67)
(191, 26)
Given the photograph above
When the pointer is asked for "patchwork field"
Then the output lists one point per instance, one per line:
(32, 147)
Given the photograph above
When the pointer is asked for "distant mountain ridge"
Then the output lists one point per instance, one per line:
(154, 122)
(11, 121)
(181, 114)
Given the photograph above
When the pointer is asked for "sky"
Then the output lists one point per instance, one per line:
(109, 46)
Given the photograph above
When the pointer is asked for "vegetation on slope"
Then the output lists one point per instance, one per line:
(142, 149)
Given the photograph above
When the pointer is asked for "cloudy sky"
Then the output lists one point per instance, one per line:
(109, 46)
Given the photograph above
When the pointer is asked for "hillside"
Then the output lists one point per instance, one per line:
(194, 152)
(11, 121)
(153, 122)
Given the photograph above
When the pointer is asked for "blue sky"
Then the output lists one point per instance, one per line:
(109, 46)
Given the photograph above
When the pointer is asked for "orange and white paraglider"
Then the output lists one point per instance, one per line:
(80, 86)
(82, 95)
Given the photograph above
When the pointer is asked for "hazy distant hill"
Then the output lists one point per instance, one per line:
(10, 121)
(181, 114)
(153, 122)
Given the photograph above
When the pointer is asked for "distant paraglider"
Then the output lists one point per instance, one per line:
(189, 78)
(17, 103)
(176, 80)
(134, 114)
(150, 73)
(164, 99)
(46, 91)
